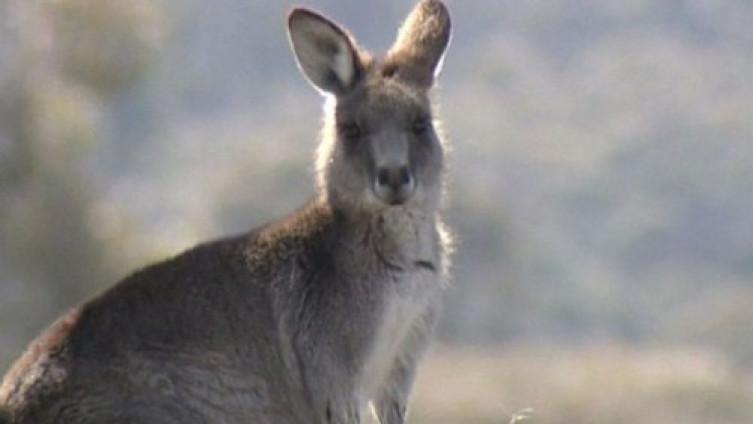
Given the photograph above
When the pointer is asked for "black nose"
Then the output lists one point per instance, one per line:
(394, 184)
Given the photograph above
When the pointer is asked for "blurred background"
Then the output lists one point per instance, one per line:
(601, 183)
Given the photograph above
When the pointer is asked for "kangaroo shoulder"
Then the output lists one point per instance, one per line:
(302, 234)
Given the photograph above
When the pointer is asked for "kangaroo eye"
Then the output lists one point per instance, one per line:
(351, 130)
(420, 126)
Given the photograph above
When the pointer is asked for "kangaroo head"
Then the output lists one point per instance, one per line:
(379, 148)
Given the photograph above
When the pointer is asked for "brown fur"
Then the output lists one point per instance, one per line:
(305, 320)
(420, 43)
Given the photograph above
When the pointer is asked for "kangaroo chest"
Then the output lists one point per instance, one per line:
(406, 298)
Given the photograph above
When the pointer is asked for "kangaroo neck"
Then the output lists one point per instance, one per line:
(396, 238)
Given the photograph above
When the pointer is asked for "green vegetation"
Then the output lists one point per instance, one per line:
(55, 247)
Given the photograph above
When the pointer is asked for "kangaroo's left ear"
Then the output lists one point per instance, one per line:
(326, 55)
(421, 42)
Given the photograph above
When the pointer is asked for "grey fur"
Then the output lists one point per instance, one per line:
(305, 320)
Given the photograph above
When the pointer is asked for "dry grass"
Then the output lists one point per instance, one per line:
(589, 385)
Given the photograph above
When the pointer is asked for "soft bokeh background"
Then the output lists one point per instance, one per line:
(601, 183)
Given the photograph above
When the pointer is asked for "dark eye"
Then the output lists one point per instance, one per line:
(420, 125)
(351, 130)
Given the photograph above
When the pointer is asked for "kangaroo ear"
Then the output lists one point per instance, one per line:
(421, 42)
(325, 53)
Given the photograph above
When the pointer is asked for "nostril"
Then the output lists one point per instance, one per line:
(405, 177)
(394, 184)
(383, 177)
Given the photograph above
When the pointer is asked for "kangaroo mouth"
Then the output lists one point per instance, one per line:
(394, 197)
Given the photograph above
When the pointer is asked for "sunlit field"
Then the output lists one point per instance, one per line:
(598, 384)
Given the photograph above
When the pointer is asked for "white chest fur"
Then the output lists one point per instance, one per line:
(405, 302)
(409, 247)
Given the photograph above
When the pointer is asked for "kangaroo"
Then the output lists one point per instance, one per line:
(318, 317)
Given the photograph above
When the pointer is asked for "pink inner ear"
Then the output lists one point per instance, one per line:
(326, 54)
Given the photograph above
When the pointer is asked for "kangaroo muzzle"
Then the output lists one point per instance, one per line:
(394, 185)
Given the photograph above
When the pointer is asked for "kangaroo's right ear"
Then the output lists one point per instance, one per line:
(326, 55)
